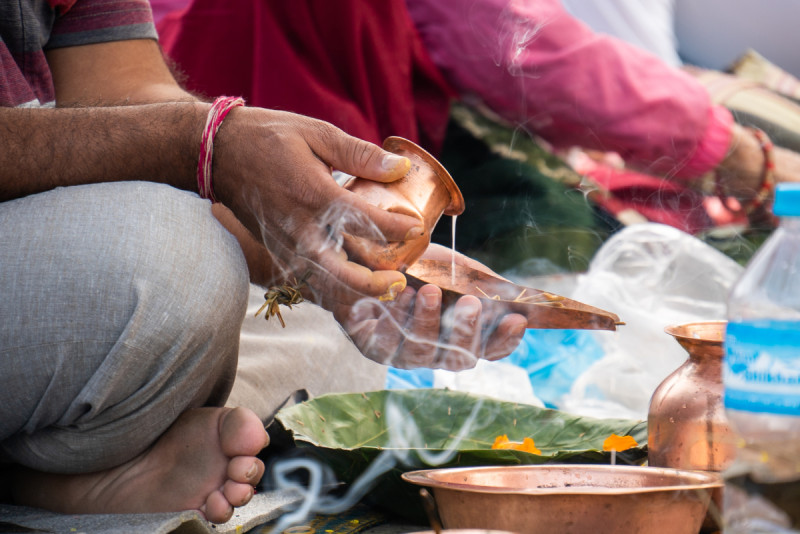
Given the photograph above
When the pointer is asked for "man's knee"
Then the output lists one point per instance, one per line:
(147, 293)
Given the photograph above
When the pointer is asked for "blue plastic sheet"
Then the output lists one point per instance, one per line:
(553, 359)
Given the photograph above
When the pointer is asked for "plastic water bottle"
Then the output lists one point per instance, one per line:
(761, 374)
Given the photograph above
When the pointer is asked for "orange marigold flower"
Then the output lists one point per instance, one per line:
(527, 445)
(500, 441)
(619, 443)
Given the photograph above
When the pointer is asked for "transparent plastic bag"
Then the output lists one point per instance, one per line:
(652, 276)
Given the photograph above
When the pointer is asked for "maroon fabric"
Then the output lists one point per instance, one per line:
(61, 5)
(358, 64)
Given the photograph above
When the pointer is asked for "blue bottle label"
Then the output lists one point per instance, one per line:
(761, 371)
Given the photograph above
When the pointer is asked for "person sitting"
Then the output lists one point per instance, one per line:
(124, 287)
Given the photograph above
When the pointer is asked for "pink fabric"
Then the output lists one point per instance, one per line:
(714, 144)
(537, 66)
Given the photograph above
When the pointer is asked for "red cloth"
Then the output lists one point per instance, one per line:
(358, 64)
(656, 199)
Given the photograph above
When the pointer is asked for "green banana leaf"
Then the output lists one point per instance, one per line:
(427, 428)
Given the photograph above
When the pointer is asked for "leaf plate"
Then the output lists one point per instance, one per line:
(427, 428)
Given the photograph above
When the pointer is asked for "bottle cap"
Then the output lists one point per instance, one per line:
(787, 200)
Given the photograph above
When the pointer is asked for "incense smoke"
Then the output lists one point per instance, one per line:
(404, 441)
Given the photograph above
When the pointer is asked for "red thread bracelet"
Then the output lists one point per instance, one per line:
(219, 110)
(767, 184)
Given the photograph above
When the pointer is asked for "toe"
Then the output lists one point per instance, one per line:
(242, 433)
(217, 508)
(237, 494)
(246, 469)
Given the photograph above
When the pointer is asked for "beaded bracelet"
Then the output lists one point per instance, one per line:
(767, 184)
(219, 109)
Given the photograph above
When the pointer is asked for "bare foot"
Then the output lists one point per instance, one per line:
(205, 461)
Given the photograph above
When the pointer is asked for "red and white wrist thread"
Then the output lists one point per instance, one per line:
(219, 110)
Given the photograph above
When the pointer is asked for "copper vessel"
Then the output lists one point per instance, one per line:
(426, 192)
(686, 423)
(500, 296)
(570, 498)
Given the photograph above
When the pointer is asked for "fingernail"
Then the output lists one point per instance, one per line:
(415, 233)
(393, 291)
(430, 300)
(468, 311)
(393, 162)
(252, 471)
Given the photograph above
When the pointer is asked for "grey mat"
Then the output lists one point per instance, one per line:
(263, 508)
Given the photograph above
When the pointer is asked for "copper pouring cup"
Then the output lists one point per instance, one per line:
(426, 192)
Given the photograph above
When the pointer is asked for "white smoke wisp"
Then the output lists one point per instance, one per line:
(404, 441)
(520, 32)
(324, 235)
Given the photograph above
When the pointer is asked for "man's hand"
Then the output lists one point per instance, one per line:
(742, 170)
(273, 170)
(413, 330)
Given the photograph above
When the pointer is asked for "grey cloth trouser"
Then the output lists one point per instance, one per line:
(120, 307)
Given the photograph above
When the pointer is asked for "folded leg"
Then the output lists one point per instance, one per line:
(121, 306)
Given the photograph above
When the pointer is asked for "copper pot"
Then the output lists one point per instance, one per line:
(570, 498)
(686, 423)
(426, 192)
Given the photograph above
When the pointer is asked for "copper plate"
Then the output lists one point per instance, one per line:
(543, 309)
(565, 499)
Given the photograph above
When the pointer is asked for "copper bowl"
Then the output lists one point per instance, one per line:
(539, 499)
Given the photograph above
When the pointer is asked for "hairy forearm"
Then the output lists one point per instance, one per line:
(47, 148)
